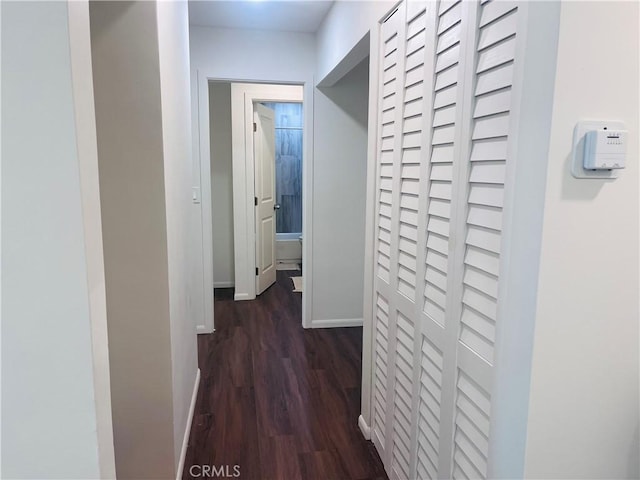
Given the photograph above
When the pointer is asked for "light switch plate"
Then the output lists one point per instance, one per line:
(579, 132)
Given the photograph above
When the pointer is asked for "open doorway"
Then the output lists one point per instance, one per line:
(288, 150)
(256, 155)
(278, 129)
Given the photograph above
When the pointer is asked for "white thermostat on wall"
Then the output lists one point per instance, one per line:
(604, 149)
(599, 149)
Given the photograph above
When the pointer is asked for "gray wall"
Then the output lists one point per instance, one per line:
(48, 405)
(173, 42)
(339, 176)
(583, 410)
(221, 183)
(142, 117)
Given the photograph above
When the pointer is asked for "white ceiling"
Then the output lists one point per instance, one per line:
(282, 15)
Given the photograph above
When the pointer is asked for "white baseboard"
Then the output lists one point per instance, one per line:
(187, 430)
(202, 330)
(336, 323)
(241, 296)
(364, 428)
(223, 284)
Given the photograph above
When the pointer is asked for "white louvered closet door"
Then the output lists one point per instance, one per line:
(493, 51)
(446, 71)
(383, 318)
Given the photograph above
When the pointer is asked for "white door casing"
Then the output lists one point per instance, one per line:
(243, 98)
(265, 195)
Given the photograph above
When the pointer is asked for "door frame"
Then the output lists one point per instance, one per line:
(244, 235)
(244, 252)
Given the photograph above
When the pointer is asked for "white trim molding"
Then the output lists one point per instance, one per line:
(336, 323)
(366, 396)
(204, 187)
(187, 430)
(227, 284)
(364, 428)
(238, 297)
(203, 330)
(85, 118)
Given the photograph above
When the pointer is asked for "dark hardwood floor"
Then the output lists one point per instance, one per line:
(278, 401)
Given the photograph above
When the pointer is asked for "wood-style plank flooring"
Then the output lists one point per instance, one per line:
(279, 401)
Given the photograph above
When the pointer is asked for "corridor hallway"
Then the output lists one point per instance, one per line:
(278, 401)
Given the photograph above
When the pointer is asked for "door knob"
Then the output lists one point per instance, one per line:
(276, 206)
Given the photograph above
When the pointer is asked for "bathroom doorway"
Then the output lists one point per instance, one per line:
(240, 202)
(288, 176)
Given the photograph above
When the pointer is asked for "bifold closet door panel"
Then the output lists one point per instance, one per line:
(389, 79)
(410, 221)
(491, 121)
(444, 137)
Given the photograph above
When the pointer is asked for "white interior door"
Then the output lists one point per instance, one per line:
(264, 146)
